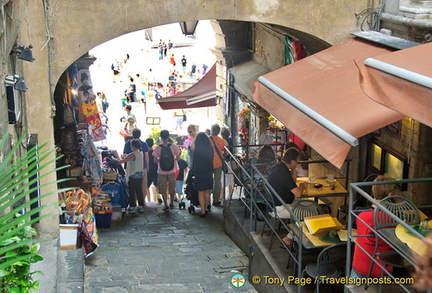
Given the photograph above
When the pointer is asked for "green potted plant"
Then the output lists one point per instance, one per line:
(19, 177)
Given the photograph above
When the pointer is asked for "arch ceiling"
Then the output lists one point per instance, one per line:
(77, 26)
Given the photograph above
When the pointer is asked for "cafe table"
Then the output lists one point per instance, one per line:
(310, 241)
(405, 242)
(315, 242)
(322, 188)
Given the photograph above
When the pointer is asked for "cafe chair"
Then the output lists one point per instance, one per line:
(327, 263)
(393, 259)
(325, 208)
(402, 208)
(306, 208)
(273, 218)
(302, 209)
(261, 203)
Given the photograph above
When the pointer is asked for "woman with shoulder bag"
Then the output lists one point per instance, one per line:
(203, 169)
(127, 129)
(134, 170)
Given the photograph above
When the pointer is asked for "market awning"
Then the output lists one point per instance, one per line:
(401, 81)
(319, 99)
(201, 94)
(245, 74)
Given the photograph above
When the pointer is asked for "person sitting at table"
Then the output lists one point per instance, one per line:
(361, 261)
(301, 170)
(283, 180)
(266, 156)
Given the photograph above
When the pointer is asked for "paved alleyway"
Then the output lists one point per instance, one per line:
(165, 252)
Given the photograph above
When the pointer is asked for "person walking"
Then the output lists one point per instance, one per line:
(166, 156)
(152, 189)
(178, 116)
(134, 171)
(131, 90)
(191, 129)
(127, 129)
(203, 169)
(219, 145)
(193, 70)
(229, 177)
(183, 169)
(184, 63)
(161, 50)
(103, 100)
(136, 134)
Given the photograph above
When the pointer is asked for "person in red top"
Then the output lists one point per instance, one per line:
(361, 261)
(219, 152)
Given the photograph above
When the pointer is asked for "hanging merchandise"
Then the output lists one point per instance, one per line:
(95, 126)
(117, 189)
(68, 115)
(88, 104)
(91, 164)
(69, 141)
(88, 233)
(89, 109)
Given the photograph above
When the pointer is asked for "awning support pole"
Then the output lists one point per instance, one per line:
(336, 130)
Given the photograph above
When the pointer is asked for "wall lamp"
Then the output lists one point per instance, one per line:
(16, 81)
(24, 53)
(73, 90)
(188, 27)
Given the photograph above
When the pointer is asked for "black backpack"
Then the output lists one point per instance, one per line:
(166, 158)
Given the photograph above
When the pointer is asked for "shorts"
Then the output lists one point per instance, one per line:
(179, 121)
(152, 178)
(163, 180)
(179, 187)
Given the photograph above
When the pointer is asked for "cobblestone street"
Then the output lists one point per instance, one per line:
(165, 252)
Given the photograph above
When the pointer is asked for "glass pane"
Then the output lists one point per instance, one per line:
(375, 159)
(393, 166)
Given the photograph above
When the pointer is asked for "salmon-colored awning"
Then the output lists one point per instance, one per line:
(201, 94)
(320, 100)
(402, 81)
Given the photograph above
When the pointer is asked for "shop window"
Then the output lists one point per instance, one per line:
(394, 166)
(384, 160)
(375, 156)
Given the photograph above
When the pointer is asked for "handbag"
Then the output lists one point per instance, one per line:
(224, 164)
(123, 132)
(69, 115)
(184, 116)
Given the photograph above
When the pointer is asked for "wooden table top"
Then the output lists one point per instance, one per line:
(328, 188)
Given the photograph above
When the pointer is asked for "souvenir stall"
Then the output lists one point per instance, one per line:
(101, 195)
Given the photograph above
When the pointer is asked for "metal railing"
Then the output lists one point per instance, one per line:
(258, 191)
(352, 216)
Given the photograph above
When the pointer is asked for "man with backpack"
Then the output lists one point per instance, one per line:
(166, 156)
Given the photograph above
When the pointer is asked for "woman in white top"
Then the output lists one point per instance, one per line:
(135, 173)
